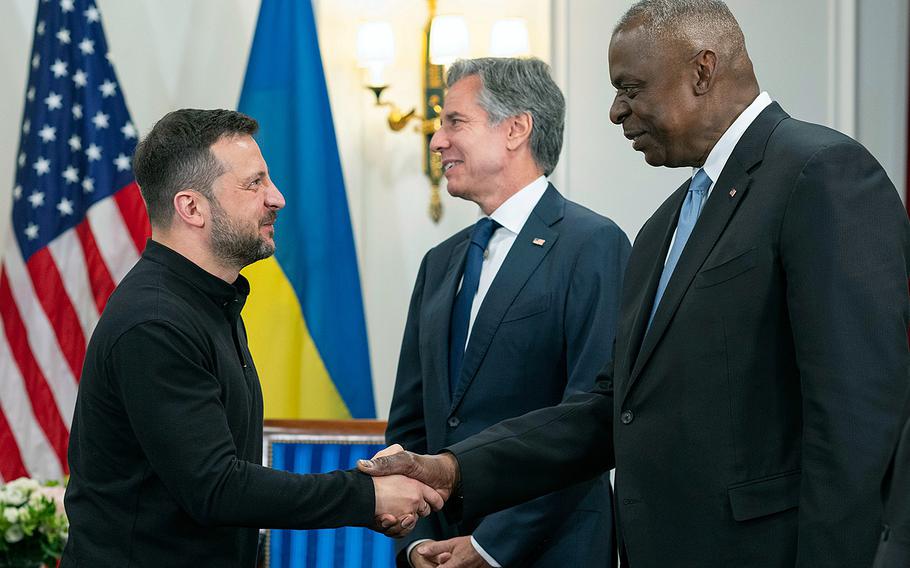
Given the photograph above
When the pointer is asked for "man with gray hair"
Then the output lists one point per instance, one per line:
(761, 358)
(508, 315)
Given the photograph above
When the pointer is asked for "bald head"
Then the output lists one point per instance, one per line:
(702, 24)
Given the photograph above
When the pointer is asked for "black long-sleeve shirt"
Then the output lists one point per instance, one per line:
(166, 439)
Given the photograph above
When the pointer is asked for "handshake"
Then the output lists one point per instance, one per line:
(408, 486)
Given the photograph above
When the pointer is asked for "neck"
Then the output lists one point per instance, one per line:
(728, 110)
(192, 247)
(509, 186)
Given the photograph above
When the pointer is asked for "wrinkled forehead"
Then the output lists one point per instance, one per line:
(464, 91)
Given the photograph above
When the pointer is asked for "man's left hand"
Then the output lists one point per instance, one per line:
(456, 552)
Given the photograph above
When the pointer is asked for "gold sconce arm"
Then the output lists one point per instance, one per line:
(398, 120)
(427, 115)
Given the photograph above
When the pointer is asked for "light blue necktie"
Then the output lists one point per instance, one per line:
(688, 215)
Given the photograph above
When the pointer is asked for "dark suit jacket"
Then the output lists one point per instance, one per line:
(752, 424)
(894, 545)
(166, 444)
(543, 331)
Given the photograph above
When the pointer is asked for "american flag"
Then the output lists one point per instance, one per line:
(78, 225)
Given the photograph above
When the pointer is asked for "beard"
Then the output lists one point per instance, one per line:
(236, 243)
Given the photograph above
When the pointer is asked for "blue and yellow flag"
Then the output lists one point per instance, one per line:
(304, 317)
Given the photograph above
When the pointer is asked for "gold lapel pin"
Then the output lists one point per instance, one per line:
(538, 241)
(733, 192)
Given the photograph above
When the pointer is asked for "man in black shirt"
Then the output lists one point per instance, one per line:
(166, 439)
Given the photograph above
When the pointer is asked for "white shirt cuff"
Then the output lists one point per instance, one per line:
(483, 553)
(411, 546)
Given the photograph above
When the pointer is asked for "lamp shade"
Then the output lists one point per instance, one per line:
(375, 49)
(509, 38)
(448, 39)
(375, 44)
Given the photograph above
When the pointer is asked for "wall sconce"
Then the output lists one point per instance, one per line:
(445, 39)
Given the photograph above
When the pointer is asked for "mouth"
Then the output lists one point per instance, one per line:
(268, 225)
(449, 164)
(635, 136)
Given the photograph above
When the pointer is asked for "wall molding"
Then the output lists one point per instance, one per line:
(559, 60)
(842, 71)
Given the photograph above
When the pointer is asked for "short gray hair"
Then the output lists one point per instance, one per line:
(513, 86)
(700, 22)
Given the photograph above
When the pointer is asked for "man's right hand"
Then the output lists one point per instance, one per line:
(439, 472)
(399, 501)
(419, 560)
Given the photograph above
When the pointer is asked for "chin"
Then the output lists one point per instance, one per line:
(454, 190)
(653, 160)
(266, 249)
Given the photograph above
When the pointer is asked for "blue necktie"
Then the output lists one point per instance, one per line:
(461, 311)
(688, 215)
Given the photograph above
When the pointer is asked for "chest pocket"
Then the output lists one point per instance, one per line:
(727, 269)
(527, 308)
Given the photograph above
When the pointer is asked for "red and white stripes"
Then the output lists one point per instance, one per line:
(48, 309)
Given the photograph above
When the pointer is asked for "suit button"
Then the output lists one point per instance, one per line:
(627, 417)
(454, 422)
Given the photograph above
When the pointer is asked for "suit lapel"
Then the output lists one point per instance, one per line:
(520, 263)
(439, 310)
(729, 191)
(666, 220)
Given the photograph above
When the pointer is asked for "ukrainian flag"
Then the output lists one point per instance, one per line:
(304, 317)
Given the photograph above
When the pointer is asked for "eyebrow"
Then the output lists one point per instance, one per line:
(623, 82)
(249, 179)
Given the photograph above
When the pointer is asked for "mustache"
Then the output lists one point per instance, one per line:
(269, 218)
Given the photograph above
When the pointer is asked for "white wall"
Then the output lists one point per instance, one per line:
(881, 87)
(838, 62)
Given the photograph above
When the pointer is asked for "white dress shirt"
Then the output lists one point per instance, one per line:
(720, 153)
(511, 216)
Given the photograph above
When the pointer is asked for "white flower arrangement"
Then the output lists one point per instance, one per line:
(33, 526)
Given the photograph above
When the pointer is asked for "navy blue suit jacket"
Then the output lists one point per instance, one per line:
(544, 330)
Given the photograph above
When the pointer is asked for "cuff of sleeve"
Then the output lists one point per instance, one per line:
(407, 553)
(365, 484)
(483, 553)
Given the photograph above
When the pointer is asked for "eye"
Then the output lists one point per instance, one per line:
(629, 92)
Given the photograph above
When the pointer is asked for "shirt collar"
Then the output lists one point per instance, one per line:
(722, 150)
(229, 296)
(514, 211)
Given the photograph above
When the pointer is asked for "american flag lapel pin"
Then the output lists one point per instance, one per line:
(733, 192)
(538, 241)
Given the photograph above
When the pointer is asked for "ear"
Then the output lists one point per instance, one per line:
(191, 208)
(519, 130)
(705, 65)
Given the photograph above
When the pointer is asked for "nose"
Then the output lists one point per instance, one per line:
(619, 110)
(273, 198)
(439, 141)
